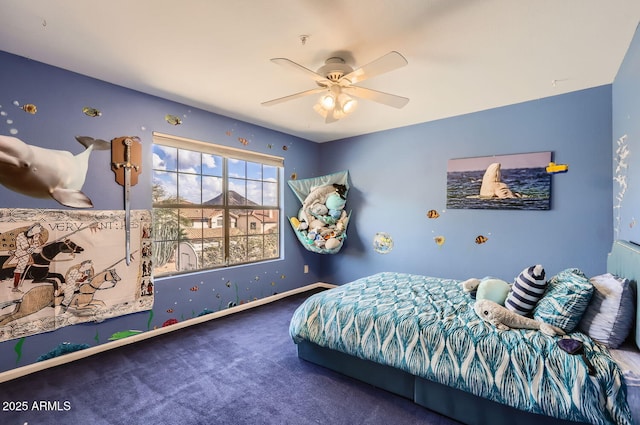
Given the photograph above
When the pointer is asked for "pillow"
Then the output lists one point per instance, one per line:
(493, 289)
(527, 289)
(565, 300)
(610, 314)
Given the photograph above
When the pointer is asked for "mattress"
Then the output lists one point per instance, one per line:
(426, 326)
(628, 358)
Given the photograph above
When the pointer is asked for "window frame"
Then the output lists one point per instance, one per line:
(227, 209)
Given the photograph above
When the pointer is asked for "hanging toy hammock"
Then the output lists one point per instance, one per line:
(321, 224)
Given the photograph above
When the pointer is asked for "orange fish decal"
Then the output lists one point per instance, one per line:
(433, 214)
(29, 108)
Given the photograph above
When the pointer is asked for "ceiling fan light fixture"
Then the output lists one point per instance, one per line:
(347, 103)
(335, 103)
(336, 85)
(327, 101)
(320, 110)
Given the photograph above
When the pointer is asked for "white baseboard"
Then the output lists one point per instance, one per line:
(76, 355)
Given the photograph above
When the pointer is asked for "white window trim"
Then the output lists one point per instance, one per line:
(228, 152)
(210, 148)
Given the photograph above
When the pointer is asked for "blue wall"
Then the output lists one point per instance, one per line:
(60, 97)
(398, 175)
(626, 145)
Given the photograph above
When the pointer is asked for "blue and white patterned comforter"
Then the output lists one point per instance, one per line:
(426, 326)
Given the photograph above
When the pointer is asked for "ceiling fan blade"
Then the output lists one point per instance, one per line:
(389, 62)
(293, 96)
(377, 96)
(296, 66)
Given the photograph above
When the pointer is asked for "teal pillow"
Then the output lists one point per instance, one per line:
(565, 300)
(493, 289)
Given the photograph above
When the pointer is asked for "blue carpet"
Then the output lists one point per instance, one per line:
(240, 369)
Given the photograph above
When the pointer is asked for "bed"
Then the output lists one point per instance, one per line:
(419, 337)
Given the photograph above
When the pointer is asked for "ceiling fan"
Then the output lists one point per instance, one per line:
(336, 79)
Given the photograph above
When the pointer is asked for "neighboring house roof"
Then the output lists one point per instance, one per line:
(210, 233)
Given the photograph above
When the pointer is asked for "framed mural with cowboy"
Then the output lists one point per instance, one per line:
(63, 267)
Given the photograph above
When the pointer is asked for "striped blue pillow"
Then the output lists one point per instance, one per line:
(566, 299)
(611, 312)
(526, 290)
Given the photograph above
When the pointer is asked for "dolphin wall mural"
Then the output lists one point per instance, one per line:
(493, 186)
(47, 173)
(511, 181)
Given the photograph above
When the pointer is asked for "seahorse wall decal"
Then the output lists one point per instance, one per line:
(150, 319)
(620, 177)
(18, 349)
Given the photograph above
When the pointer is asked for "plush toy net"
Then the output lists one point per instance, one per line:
(321, 224)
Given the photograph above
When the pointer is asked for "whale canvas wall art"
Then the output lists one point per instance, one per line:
(513, 182)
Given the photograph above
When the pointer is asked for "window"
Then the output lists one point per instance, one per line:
(213, 206)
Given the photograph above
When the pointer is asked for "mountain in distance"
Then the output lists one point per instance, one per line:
(234, 199)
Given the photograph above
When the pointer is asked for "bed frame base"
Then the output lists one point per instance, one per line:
(451, 402)
(385, 377)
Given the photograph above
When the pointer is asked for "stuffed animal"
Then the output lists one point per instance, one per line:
(335, 202)
(488, 288)
(297, 224)
(318, 210)
(335, 214)
(332, 243)
(317, 224)
(470, 285)
(318, 195)
(505, 319)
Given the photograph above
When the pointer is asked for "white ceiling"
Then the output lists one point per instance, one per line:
(464, 55)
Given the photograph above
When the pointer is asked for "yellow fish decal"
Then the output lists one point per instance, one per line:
(172, 119)
(554, 168)
(91, 112)
(29, 108)
(433, 214)
(480, 239)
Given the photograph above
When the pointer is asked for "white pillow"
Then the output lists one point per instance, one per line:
(610, 314)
